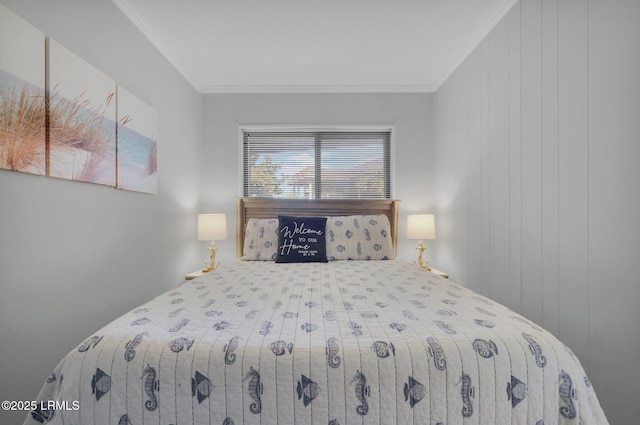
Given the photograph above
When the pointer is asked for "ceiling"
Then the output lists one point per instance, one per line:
(315, 46)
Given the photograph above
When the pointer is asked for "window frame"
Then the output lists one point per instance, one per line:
(242, 129)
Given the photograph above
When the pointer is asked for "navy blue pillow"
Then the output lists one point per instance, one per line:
(301, 239)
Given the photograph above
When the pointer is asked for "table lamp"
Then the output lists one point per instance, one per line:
(212, 227)
(421, 226)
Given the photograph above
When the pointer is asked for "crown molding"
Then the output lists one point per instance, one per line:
(138, 22)
(500, 13)
(430, 87)
(221, 89)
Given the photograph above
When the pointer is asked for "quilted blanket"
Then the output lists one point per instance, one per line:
(344, 342)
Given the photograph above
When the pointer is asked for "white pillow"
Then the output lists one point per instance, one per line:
(260, 239)
(359, 237)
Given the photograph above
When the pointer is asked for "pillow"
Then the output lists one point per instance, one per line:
(301, 240)
(359, 237)
(260, 239)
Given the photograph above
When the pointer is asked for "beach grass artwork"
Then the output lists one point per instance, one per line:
(82, 119)
(137, 147)
(22, 95)
(60, 116)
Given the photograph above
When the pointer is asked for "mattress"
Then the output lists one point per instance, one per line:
(344, 342)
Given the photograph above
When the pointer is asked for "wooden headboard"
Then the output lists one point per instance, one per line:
(248, 208)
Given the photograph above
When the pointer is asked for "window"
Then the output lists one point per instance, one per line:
(317, 164)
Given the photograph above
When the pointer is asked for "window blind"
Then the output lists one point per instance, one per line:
(317, 165)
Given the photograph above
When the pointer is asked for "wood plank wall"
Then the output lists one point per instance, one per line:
(536, 153)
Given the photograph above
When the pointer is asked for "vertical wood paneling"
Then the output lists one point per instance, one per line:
(452, 232)
(531, 109)
(498, 219)
(485, 157)
(573, 152)
(614, 206)
(515, 161)
(550, 166)
(459, 167)
(486, 163)
(472, 118)
(573, 111)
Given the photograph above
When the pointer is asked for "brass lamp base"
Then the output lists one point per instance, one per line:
(211, 264)
(420, 262)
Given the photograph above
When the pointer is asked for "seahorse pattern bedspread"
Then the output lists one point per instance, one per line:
(348, 342)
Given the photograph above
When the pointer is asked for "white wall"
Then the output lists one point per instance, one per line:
(536, 151)
(533, 162)
(74, 256)
(409, 113)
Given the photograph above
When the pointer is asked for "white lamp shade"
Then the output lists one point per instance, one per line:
(212, 227)
(421, 226)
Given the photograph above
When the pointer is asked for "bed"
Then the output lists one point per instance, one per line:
(357, 337)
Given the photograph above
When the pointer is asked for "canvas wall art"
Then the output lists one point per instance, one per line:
(137, 146)
(60, 117)
(22, 95)
(82, 119)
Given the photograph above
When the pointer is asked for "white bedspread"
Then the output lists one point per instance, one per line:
(344, 342)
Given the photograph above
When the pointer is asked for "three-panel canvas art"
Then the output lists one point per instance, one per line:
(63, 118)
